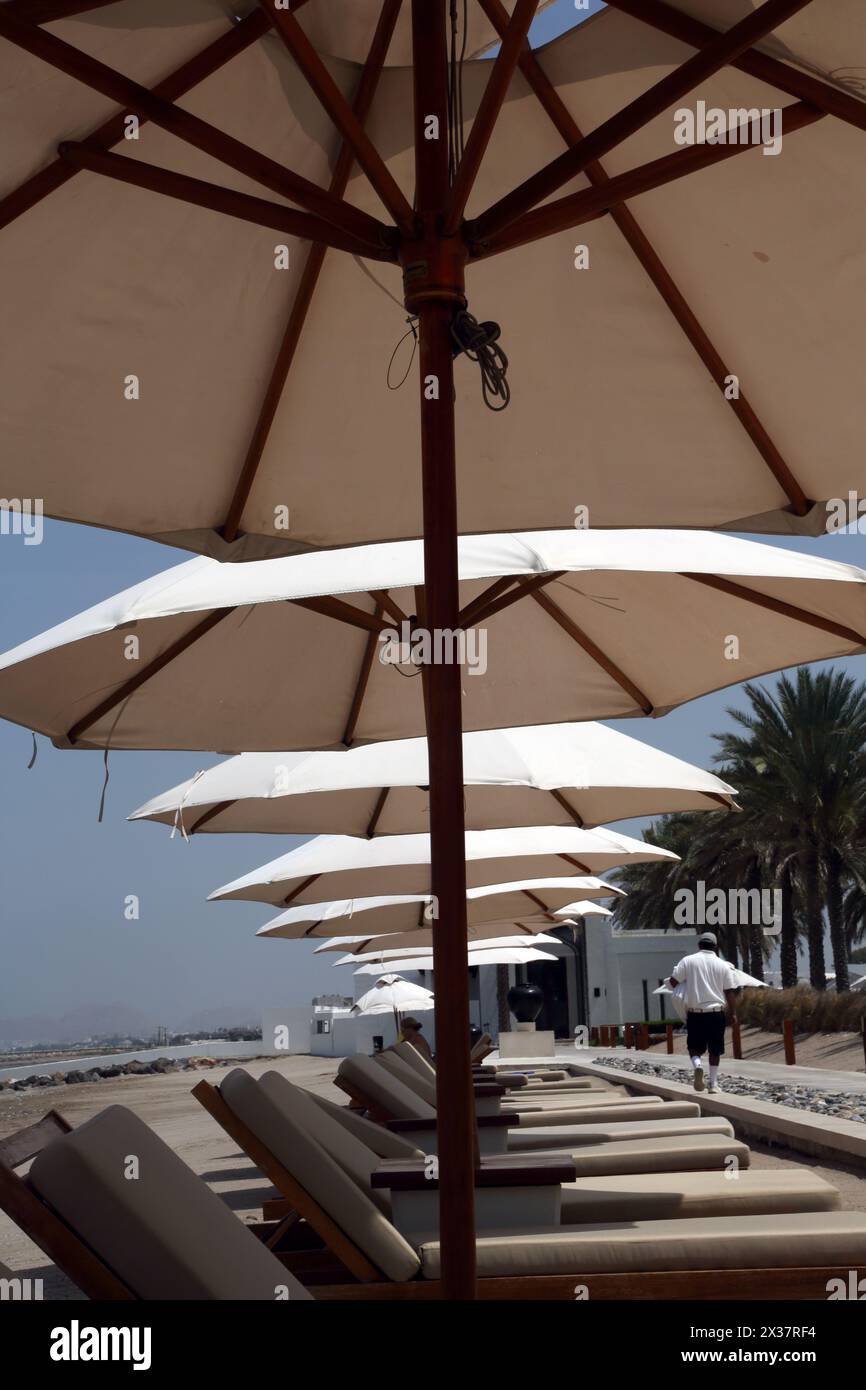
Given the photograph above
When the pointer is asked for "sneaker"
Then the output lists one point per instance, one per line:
(699, 1078)
(713, 1087)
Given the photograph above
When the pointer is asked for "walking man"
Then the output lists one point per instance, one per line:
(709, 990)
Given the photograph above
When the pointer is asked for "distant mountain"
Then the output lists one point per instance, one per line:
(226, 1016)
(88, 1021)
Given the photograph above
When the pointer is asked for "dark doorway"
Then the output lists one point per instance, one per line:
(552, 979)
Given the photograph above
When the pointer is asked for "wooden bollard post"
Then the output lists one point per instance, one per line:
(737, 1040)
(788, 1035)
(629, 1035)
(593, 1035)
(669, 1031)
(644, 1037)
(863, 1023)
(614, 1035)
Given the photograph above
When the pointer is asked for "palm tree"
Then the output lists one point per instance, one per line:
(798, 759)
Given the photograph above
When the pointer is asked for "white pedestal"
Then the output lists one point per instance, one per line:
(524, 1043)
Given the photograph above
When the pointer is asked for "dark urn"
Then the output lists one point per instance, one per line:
(525, 1002)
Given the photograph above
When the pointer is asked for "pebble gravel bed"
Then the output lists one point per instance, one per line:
(840, 1104)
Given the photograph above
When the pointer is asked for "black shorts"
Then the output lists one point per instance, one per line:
(705, 1033)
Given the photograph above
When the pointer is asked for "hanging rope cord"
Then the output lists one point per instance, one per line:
(478, 340)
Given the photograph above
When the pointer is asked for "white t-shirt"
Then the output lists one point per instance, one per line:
(705, 978)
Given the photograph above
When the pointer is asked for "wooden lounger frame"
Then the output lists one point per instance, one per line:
(41, 1223)
(299, 1218)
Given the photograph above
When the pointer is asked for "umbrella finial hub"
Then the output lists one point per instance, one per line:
(433, 268)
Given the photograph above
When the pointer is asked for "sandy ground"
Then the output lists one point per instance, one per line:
(840, 1051)
(165, 1103)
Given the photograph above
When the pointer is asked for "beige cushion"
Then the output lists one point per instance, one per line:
(288, 1129)
(671, 1153)
(576, 1101)
(620, 1114)
(574, 1136)
(738, 1242)
(164, 1233)
(671, 1196)
(376, 1137)
(421, 1085)
(384, 1090)
(415, 1059)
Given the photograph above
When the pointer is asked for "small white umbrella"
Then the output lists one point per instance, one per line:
(551, 774)
(414, 911)
(393, 995)
(583, 908)
(334, 866)
(502, 955)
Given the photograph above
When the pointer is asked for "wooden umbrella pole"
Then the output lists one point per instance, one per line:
(433, 285)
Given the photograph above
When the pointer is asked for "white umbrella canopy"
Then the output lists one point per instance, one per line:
(414, 911)
(196, 308)
(228, 657)
(500, 955)
(392, 995)
(583, 908)
(584, 774)
(341, 865)
(487, 938)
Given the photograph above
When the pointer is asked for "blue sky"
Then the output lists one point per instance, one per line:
(65, 877)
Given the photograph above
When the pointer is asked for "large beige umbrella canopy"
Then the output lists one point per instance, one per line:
(101, 280)
(489, 934)
(571, 774)
(342, 866)
(168, 376)
(286, 653)
(414, 911)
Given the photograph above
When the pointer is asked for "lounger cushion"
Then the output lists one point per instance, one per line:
(164, 1233)
(422, 1086)
(672, 1153)
(577, 1100)
(675, 1196)
(740, 1242)
(381, 1141)
(415, 1059)
(604, 1114)
(575, 1136)
(384, 1090)
(287, 1129)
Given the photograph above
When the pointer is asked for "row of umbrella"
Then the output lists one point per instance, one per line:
(167, 376)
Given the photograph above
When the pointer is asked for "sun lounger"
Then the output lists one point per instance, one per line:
(557, 1082)
(161, 1234)
(525, 1103)
(756, 1255)
(363, 1079)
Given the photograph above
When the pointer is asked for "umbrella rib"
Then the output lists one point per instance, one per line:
(594, 652)
(566, 806)
(367, 84)
(211, 814)
(344, 118)
(189, 128)
(539, 903)
(516, 30)
(361, 684)
(389, 604)
(218, 198)
(632, 118)
(775, 605)
(377, 811)
(480, 611)
(331, 607)
(129, 687)
(190, 74)
(305, 883)
(775, 73)
(590, 203)
(576, 863)
(655, 268)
